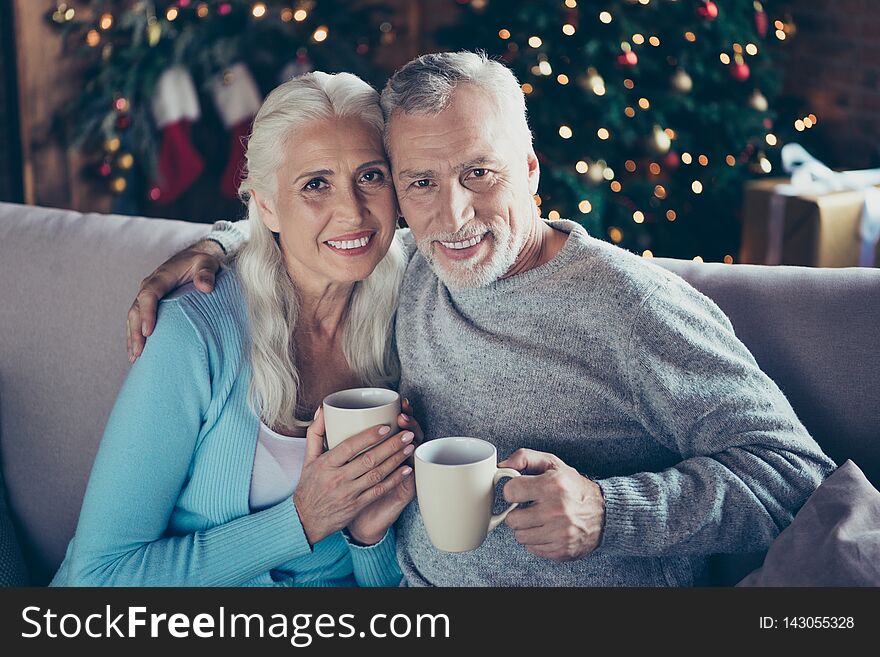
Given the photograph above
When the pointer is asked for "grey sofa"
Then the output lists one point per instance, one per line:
(66, 281)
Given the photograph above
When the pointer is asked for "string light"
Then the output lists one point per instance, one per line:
(93, 38)
(562, 78)
(544, 68)
(112, 145)
(647, 253)
(731, 160)
(660, 192)
(654, 41)
(813, 118)
(535, 41)
(608, 173)
(629, 84)
(259, 10)
(765, 165)
(771, 139)
(670, 215)
(537, 198)
(615, 186)
(644, 104)
(126, 161)
(585, 207)
(565, 132)
(630, 166)
(504, 34)
(752, 49)
(581, 166)
(171, 14)
(527, 88)
(553, 215)
(629, 111)
(202, 10)
(639, 217)
(698, 259)
(568, 29)
(799, 125)
(654, 168)
(697, 187)
(728, 260)
(119, 185)
(615, 234)
(703, 160)
(571, 4)
(603, 133)
(320, 34)
(605, 17)
(686, 158)
(725, 58)
(638, 39)
(300, 15)
(106, 21)
(690, 36)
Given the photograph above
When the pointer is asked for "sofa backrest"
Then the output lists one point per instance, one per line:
(67, 279)
(66, 282)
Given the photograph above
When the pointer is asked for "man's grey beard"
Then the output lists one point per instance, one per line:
(505, 251)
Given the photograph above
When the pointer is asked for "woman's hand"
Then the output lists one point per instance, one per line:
(335, 486)
(370, 525)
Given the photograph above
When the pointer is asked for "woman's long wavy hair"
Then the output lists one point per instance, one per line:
(270, 292)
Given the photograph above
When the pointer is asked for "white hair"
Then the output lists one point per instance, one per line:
(425, 86)
(270, 292)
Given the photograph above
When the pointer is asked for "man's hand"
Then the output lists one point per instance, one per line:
(567, 512)
(198, 263)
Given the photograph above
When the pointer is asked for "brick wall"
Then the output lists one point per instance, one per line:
(834, 66)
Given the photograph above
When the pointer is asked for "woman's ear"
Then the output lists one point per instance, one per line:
(534, 171)
(267, 213)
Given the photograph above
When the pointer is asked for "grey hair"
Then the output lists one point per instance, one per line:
(426, 84)
(269, 290)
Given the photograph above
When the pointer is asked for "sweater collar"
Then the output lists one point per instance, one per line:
(570, 252)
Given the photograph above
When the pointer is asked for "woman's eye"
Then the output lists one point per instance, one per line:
(315, 184)
(373, 176)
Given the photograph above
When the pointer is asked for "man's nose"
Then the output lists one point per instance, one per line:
(457, 207)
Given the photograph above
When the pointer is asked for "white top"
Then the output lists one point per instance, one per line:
(278, 464)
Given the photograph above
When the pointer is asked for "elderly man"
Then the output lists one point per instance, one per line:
(648, 435)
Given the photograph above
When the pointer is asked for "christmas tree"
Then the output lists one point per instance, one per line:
(165, 81)
(648, 115)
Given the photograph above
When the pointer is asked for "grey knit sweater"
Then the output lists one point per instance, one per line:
(629, 375)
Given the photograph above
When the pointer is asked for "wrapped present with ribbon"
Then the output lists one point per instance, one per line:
(817, 218)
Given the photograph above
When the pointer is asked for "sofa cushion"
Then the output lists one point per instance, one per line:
(834, 539)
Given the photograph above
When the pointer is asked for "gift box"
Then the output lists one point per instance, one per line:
(817, 230)
(817, 218)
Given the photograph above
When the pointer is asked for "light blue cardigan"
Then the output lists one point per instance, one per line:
(167, 500)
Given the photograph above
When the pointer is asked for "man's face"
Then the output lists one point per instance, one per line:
(465, 179)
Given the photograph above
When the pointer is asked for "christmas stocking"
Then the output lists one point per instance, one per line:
(175, 108)
(238, 100)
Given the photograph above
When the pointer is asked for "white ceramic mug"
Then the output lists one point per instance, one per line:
(351, 411)
(455, 485)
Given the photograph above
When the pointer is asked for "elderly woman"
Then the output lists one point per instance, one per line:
(211, 470)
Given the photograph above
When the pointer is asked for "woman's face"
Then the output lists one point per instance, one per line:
(335, 207)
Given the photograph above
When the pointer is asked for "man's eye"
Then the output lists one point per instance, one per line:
(479, 173)
(315, 184)
(424, 182)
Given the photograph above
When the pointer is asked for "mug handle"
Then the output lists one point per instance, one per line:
(498, 518)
